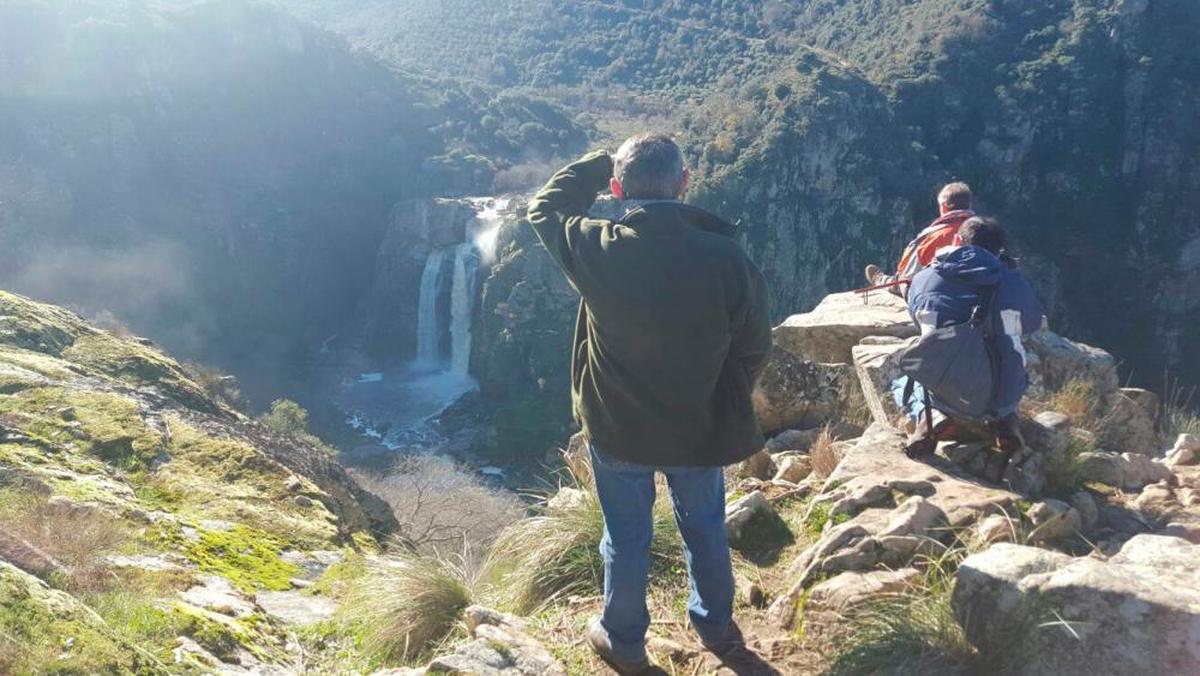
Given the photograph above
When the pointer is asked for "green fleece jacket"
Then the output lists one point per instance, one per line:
(673, 327)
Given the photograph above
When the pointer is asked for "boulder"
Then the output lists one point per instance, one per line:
(1030, 610)
(501, 646)
(793, 440)
(758, 466)
(1048, 432)
(567, 498)
(1129, 471)
(796, 393)
(1053, 520)
(296, 607)
(876, 466)
(839, 322)
(793, 468)
(995, 528)
(843, 591)
(740, 512)
(1085, 504)
(1186, 451)
(26, 556)
(879, 508)
(1127, 426)
(877, 364)
(1053, 361)
(217, 595)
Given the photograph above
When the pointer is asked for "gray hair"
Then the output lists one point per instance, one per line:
(649, 166)
(956, 195)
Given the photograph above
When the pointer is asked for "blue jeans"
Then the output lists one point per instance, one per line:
(626, 492)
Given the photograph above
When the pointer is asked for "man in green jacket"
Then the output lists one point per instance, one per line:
(673, 330)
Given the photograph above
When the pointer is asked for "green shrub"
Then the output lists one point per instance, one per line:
(287, 417)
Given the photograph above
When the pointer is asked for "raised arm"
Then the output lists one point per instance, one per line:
(559, 208)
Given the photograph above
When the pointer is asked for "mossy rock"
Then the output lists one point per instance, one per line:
(217, 477)
(37, 326)
(43, 630)
(138, 365)
(248, 558)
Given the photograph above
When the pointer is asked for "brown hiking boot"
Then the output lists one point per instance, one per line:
(922, 443)
(733, 640)
(873, 274)
(1008, 434)
(597, 638)
(1008, 441)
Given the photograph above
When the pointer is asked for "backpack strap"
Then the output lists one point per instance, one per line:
(929, 414)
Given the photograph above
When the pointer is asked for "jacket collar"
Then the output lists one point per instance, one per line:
(652, 210)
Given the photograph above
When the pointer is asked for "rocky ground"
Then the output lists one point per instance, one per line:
(149, 527)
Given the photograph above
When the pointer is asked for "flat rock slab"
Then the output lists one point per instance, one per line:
(294, 607)
(838, 323)
(876, 465)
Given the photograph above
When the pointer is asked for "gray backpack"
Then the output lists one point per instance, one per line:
(958, 365)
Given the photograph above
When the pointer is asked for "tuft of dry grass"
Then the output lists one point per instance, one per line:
(555, 553)
(823, 455)
(1077, 399)
(408, 604)
(914, 632)
(1179, 410)
(75, 536)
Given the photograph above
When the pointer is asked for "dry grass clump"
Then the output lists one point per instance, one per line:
(555, 554)
(1179, 414)
(1077, 399)
(407, 605)
(909, 633)
(73, 535)
(440, 507)
(823, 454)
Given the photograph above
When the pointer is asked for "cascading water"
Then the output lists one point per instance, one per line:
(429, 334)
(462, 302)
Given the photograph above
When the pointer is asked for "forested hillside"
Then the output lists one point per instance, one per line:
(1072, 118)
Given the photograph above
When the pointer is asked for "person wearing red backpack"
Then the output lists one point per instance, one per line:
(954, 207)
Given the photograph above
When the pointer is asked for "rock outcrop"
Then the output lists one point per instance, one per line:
(1136, 613)
(880, 510)
(839, 322)
(109, 445)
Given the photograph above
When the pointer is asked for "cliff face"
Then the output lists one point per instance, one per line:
(388, 313)
(821, 185)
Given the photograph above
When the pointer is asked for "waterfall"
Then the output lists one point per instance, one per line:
(466, 259)
(429, 330)
(462, 301)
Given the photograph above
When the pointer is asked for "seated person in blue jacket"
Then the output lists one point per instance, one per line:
(979, 272)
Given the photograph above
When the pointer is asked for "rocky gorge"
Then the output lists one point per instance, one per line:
(235, 542)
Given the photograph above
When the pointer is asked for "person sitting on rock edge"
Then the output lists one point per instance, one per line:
(977, 273)
(672, 332)
(954, 208)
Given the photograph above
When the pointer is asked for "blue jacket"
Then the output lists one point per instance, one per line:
(962, 278)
